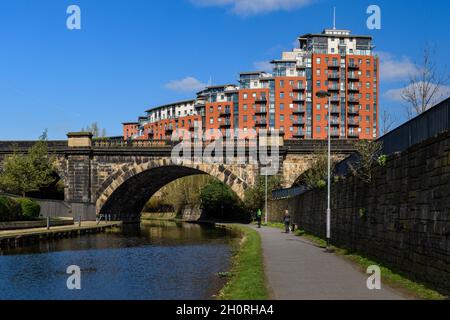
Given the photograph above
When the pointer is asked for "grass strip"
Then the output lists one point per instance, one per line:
(247, 279)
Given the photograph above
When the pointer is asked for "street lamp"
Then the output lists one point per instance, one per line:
(321, 95)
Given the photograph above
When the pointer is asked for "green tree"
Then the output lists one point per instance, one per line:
(216, 197)
(316, 175)
(24, 173)
(369, 153)
(255, 197)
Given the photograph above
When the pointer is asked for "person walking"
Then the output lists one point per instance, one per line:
(287, 221)
(258, 217)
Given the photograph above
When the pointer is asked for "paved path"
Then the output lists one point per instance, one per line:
(297, 269)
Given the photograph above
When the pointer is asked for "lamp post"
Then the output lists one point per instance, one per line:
(325, 94)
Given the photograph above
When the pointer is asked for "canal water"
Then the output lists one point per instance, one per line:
(156, 260)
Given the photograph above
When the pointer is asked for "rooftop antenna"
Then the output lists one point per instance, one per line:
(334, 18)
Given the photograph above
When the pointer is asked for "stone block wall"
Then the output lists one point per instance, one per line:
(401, 219)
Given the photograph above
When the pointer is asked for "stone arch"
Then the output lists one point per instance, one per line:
(125, 192)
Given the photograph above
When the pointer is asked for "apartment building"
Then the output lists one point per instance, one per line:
(286, 98)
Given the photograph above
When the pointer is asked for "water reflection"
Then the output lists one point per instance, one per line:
(157, 260)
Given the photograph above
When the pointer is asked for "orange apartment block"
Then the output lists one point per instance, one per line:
(285, 99)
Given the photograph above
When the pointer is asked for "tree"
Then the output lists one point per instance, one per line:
(369, 153)
(425, 87)
(96, 131)
(24, 173)
(216, 197)
(316, 176)
(387, 122)
(255, 197)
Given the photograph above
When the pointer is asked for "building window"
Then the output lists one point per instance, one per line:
(318, 72)
(318, 129)
(318, 83)
(367, 107)
(318, 117)
(368, 85)
(245, 107)
(281, 118)
(245, 118)
(318, 106)
(281, 95)
(254, 95)
(281, 83)
(211, 120)
(281, 106)
(245, 96)
(318, 60)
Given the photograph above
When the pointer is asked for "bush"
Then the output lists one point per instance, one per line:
(10, 209)
(30, 208)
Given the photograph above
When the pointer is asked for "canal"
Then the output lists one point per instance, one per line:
(156, 260)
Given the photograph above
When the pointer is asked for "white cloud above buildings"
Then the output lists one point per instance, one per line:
(254, 7)
(263, 66)
(394, 69)
(188, 84)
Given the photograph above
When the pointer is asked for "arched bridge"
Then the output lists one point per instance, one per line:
(116, 177)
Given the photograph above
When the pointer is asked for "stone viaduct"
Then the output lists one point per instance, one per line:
(116, 177)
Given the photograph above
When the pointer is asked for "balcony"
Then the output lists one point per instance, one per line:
(353, 111)
(353, 122)
(299, 110)
(335, 99)
(353, 88)
(334, 122)
(335, 110)
(261, 99)
(261, 111)
(333, 75)
(353, 65)
(353, 134)
(298, 123)
(299, 98)
(299, 134)
(353, 100)
(298, 88)
(225, 113)
(199, 105)
(334, 87)
(261, 123)
(353, 76)
(334, 134)
(333, 64)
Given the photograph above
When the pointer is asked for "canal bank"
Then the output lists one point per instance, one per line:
(14, 238)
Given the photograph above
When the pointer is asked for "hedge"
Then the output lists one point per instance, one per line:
(10, 209)
(30, 208)
(18, 209)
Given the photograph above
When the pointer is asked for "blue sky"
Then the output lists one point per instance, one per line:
(131, 55)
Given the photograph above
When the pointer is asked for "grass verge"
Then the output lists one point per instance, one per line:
(389, 277)
(247, 279)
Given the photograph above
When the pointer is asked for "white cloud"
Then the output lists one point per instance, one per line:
(395, 69)
(396, 94)
(254, 7)
(187, 84)
(263, 66)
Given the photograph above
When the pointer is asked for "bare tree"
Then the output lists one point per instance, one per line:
(387, 122)
(425, 85)
(96, 131)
